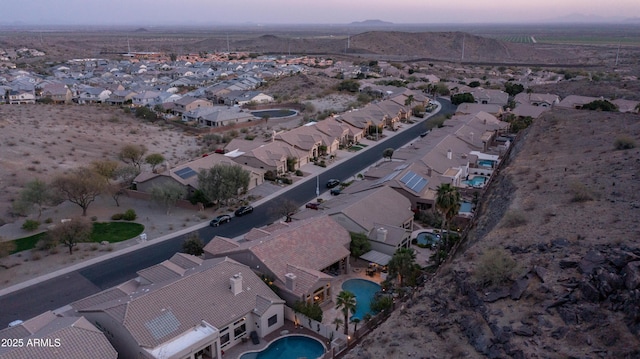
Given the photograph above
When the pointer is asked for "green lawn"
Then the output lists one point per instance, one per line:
(111, 232)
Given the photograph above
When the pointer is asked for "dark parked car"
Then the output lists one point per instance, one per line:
(335, 191)
(332, 183)
(313, 205)
(223, 218)
(243, 210)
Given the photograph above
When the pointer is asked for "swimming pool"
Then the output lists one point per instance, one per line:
(364, 290)
(427, 239)
(476, 181)
(289, 347)
(465, 207)
(486, 163)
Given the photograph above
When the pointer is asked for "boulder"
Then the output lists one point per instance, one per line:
(590, 261)
(541, 272)
(495, 295)
(524, 331)
(518, 287)
(631, 274)
(567, 263)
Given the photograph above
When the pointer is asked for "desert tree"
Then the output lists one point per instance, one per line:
(36, 193)
(193, 245)
(387, 153)
(132, 154)
(448, 200)
(108, 171)
(168, 194)
(72, 232)
(346, 303)
(82, 186)
(154, 160)
(338, 322)
(223, 182)
(6, 247)
(284, 208)
(359, 244)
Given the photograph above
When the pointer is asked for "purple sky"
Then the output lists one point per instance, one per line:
(214, 12)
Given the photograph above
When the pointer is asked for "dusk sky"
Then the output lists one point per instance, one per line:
(215, 12)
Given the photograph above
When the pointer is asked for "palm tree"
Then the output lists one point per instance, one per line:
(355, 322)
(402, 264)
(338, 322)
(448, 204)
(346, 302)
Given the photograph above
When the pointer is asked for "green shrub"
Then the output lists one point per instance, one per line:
(117, 216)
(46, 244)
(495, 267)
(30, 225)
(48, 220)
(381, 303)
(129, 215)
(299, 173)
(624, 142)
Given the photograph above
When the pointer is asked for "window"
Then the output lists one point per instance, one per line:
(272, 320)
(224, 340)
(239, 331)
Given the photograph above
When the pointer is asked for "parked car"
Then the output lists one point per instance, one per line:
(220, 150)
(424, 133)
(223, 218)
(335, 191)
(333, 183)
(313, 205)
(243, 210)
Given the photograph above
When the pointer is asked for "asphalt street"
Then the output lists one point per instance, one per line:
(60, 291)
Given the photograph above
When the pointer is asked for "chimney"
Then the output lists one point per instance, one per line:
(235, 283)
(290, 281)
(449, 154)
(381, 234)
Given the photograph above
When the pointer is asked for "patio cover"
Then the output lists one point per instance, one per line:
(376, 257)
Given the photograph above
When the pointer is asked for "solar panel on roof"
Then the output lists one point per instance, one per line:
(414, 181)
(185, 173)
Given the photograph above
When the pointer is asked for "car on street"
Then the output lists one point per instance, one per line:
(425, 133)
(223, 218)
(333, 183)
(313, 205)
(243, 210)
(335, 191)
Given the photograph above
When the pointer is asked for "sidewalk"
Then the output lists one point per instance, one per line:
(150, 215)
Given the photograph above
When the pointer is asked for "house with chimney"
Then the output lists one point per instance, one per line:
(184, 308)
(301, 257)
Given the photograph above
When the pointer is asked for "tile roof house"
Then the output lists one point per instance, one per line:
(241, 97)
(576, 102)
(218, 116)
(526, 110)
(467, 108)
(58, 338)
(57, 92)
(309, 140)
(186, 174)
(21, 97)
(537, 99)
(267, 156)
(185, 307)
(188, 103)
(490, 96)
(626, 105)
(297, 255)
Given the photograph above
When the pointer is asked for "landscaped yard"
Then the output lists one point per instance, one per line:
(111, 232)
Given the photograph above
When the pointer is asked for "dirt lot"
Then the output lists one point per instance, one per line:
(41, 141)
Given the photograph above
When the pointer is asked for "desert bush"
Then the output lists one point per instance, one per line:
(94, 218)
(117, 216)
(381, 303)
(46, 243)
(299, 173)
(30, 225)
(129, 215)
(624, 142)
(513, 219)
(495, 267)
(580, 192)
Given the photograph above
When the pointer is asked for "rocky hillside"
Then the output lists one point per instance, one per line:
(552, 267)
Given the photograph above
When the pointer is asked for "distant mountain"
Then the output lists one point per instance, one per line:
(371, 23)
(582, 18)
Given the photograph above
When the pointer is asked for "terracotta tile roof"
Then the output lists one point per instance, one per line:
(220, 245)
(306, 279)
(77, 337)
(185, 261)
(156, 313)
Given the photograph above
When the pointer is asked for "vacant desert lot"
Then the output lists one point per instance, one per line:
(41, 141)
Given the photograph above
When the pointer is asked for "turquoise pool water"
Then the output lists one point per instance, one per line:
(485, 163)
(289, 347)
(364, 291)
(465, 207)
(427, 238)
(476, 181)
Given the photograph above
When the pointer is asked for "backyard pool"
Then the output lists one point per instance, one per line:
(364, 290)
(289, 347)
(465, 207)
(274, 113)
(427, 239)
(476, 181)
(486, 163)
